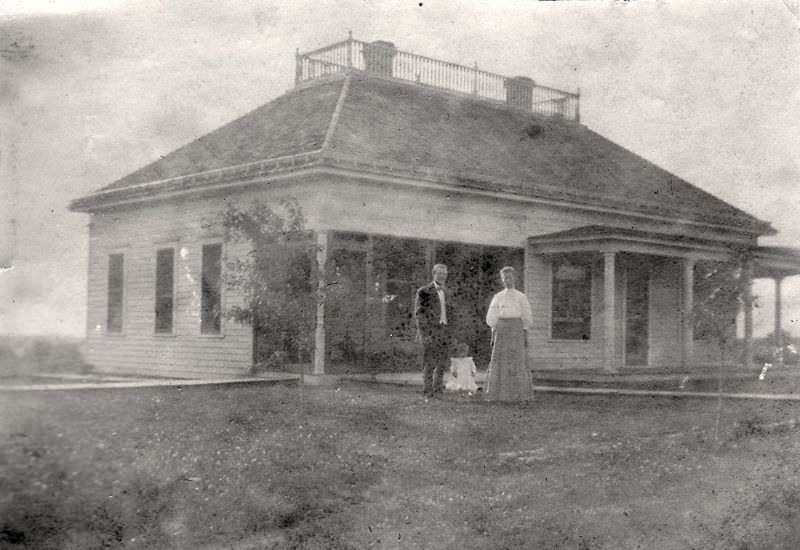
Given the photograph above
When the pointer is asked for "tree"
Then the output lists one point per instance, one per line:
(275, 280)
(9, 360)
(720, 291)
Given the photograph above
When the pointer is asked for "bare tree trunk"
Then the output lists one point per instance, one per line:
(719, 390)
(302, 391)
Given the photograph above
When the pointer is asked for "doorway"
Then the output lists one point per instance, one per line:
(637, 311)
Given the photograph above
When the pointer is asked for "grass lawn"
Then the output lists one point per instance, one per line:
(252, 467)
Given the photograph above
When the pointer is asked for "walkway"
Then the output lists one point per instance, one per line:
(585, 383)
(594, 383)
(89, 382)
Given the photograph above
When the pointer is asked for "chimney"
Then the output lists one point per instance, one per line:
(379, 57)
(519, 92)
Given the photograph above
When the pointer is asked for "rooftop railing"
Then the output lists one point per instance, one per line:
(383, 59)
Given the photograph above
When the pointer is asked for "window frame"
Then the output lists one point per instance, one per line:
(123, 296)
(221, 332)
(589, 264)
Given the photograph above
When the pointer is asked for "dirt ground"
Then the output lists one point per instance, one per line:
(362, 466)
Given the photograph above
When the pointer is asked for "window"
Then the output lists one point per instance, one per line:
(165, 267)
(115, 293)
(210, 286)
(572, 299)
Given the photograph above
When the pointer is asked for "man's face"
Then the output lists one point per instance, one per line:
(440, 275)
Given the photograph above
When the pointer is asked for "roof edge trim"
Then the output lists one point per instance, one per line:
(85, 203)
(338, 166)
(586, 235)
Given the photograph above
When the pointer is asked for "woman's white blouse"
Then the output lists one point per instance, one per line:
(509, 304)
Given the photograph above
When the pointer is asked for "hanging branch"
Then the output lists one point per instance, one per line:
(274, 276)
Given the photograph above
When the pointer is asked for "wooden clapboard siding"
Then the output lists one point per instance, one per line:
(185, 226)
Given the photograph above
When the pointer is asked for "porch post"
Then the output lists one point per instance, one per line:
(319, 332)
(687, 336)
(609, 317)
(748, 315)
(369, 295)
(778, 329)
(430, 256)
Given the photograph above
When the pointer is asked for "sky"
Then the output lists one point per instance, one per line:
(92, 90)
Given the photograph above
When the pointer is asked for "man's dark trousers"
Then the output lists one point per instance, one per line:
(435, 358)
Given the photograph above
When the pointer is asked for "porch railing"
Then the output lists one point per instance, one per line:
(383, 59)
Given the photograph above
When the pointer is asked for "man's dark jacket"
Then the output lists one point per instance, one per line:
(427, 310)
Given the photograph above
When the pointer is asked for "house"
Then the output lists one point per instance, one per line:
(400, 161)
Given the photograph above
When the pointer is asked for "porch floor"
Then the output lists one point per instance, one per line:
(579, 376)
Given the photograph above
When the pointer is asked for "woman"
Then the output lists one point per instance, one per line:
(510, 317)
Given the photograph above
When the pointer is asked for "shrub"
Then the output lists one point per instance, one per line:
(47, 355)
(10, 362)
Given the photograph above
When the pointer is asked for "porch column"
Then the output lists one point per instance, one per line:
(778, 328)
(609, 307)
(748, 314)
(370, 294)
(319, 332)
(687, 333)
(430, 256)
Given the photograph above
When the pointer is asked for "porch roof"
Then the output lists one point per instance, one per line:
(776, 262)
(769, 261)
(600, 238)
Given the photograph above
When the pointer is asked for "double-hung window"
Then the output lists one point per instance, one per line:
(116, 280)
(165, 290)
(572, 299)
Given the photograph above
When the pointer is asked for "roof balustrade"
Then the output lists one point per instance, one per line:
(382, 59)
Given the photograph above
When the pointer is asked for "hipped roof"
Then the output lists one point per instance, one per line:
(365, 121)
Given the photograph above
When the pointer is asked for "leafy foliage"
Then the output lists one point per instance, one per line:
(274, 278)
(719, 293)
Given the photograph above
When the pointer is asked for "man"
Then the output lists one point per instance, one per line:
(431, 314)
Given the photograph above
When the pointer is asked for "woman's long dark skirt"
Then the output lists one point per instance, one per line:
(509, 378)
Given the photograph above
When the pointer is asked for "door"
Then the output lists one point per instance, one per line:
(637, 313)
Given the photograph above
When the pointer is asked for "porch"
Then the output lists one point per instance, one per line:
(605, 300)
(365, 289)
(632, 294)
